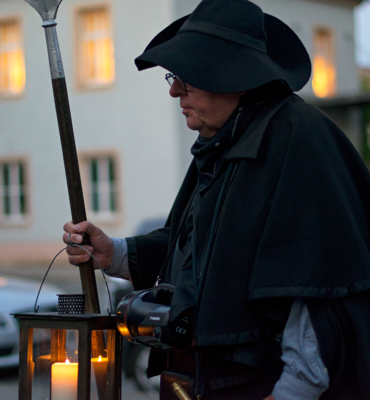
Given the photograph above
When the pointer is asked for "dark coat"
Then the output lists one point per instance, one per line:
(294, 223)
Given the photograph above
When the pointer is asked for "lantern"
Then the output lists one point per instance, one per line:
(69, 357)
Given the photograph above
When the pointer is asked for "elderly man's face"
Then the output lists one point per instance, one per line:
(205, 112)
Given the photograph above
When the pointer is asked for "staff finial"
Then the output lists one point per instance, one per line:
(47, 9)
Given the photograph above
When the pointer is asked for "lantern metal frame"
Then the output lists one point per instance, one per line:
(85, 324)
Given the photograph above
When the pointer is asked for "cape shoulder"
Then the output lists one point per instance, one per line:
(312, 127)
(316, 239)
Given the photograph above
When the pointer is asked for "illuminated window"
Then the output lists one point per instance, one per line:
(324, 72)
(101, 175)
(95, 48)
(13, 197)
(12, 70)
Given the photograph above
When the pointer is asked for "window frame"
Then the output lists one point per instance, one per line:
(80, 84)
(112, 218)
(19, 20)
(23, 220)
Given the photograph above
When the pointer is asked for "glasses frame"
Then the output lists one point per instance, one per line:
(170, 78)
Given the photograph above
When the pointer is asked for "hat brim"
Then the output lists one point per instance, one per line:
(217, 65)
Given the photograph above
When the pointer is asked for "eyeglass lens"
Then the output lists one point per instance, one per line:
(170, 78)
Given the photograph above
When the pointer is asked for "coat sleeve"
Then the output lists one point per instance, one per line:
(146, 255)
(304, 376)
(342, 329)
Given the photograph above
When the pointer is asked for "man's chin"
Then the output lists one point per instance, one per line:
(193, 126)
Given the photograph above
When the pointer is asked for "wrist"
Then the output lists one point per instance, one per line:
(110, 255)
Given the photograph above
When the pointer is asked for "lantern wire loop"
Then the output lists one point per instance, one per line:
(36, 307)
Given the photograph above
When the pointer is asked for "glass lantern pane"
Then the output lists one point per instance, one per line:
(101, 362)
(55, 364)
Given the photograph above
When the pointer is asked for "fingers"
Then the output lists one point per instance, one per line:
(76, 255)
(73, 238)
(74, 233)
(77, 251)
(82, 227)
(87, 227)
(68, 227)
(78, 230)
(77, 260)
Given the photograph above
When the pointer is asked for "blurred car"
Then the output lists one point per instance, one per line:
(18, 296)
(149, 225)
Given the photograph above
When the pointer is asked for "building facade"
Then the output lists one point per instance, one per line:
(132, 141)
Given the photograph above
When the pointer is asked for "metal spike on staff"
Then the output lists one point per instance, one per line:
(48, 11)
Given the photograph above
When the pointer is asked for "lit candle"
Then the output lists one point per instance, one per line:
(100, 365)
(100, 360)
(64, 381)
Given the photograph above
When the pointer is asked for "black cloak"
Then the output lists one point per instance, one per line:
(294, 223)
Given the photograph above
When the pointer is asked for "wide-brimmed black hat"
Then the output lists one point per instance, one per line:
(229, 46)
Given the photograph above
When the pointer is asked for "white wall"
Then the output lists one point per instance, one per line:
(303, 15)
(136, 118)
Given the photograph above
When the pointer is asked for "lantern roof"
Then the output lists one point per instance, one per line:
(96, 321)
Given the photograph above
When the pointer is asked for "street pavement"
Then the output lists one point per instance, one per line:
(9, 388)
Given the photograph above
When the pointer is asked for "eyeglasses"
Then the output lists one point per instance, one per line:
(170, 78)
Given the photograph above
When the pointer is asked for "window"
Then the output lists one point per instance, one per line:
(324, 72)
(95, 48)
(12, 69)
(99, 175)
(13, 192)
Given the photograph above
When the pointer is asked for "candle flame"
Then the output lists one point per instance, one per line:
(67, 361)
(99, 359)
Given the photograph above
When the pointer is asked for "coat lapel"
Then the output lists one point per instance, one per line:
(250, 141)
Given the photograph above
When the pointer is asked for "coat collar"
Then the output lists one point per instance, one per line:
(250, 141)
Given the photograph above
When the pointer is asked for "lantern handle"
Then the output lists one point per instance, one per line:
(36, 307)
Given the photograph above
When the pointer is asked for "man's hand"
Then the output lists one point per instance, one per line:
(101, 244)
(269, 397)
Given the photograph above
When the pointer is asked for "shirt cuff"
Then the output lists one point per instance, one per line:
(119, 266)
(290, 388)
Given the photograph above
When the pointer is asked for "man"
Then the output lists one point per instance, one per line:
(268, 237)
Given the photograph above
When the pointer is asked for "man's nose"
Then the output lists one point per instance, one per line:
(176, 90)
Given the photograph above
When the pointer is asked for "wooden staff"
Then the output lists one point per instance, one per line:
(48, 11)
